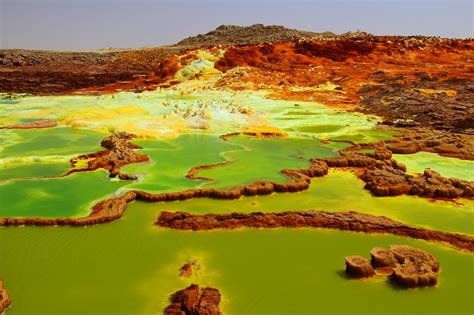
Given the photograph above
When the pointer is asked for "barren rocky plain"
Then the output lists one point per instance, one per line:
(249, 170)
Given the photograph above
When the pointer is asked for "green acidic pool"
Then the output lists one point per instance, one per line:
(43, 152)
(448, 167)
(263, 159)
(48, 141)
(131, 267)
(71, 196)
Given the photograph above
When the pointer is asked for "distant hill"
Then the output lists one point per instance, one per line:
(254, 34)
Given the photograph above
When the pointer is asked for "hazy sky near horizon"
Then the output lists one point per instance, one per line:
(95, 24)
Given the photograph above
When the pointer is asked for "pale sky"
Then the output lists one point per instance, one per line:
(94, 24)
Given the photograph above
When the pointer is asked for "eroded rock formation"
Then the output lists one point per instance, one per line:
(351, 221)
(4, 298)
(358, 267)
(382, 258)
(386, 181)
(119, 152)
(415, 267)
(408, 266)
(194, 300)
(445, 143)
(386, 177)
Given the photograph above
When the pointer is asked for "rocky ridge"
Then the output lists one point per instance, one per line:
(350, 221)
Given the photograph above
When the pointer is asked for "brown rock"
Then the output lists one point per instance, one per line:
(418, 256)
(5, 301)
(194, 300)
(119, 152)
(408, 266)
(410, 274)
(358, 267)
(381, 257)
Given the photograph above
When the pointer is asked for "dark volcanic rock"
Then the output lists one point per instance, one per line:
(428, 101)
(254, 34)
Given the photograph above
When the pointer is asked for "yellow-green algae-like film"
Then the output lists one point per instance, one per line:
(169, 113)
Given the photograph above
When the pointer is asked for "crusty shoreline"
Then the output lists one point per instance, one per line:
(349, 221)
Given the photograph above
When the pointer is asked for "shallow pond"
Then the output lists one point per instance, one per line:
(131, 267)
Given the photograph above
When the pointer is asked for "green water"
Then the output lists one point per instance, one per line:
(28, 155)
(263, 159)
(252, 159)
(130, 267)
(43, 152)
(448, 167)
(48, 141)
(33, 169)
(71, 196)
(172, 159)
(366, 136)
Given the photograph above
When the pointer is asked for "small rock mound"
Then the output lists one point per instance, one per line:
(405, 265)
(358, 267)
(415, 267)
(194, 301)
(381, 258)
